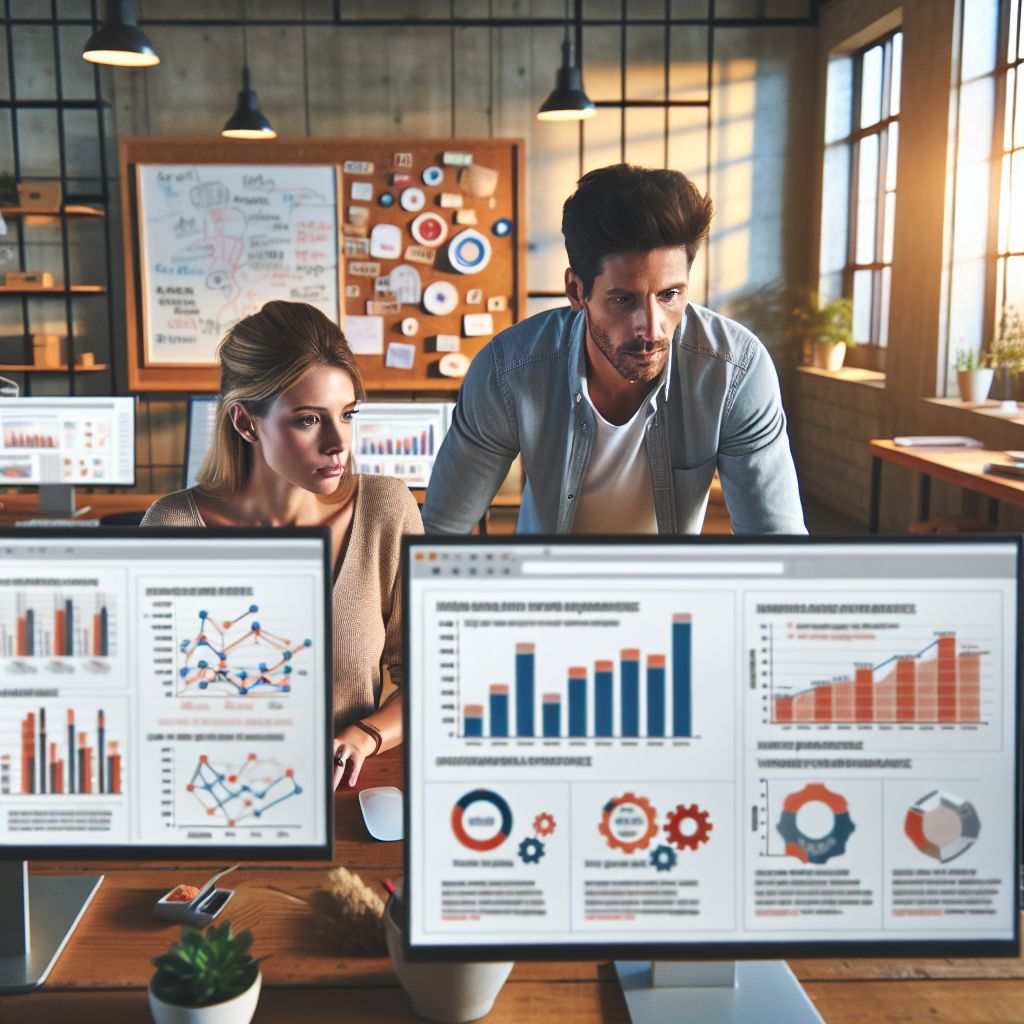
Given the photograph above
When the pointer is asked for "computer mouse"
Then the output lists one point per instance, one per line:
(382, 811)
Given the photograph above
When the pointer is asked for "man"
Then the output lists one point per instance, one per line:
(624, 404)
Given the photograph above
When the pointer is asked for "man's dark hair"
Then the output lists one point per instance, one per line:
(623, 208)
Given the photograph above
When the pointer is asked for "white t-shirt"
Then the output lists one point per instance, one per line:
(617, 495)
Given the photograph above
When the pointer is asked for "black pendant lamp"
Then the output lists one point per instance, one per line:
(119, 41)
(248, 121)
(568, 101)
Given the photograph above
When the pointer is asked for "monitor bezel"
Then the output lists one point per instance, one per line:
(193, 401)
(81, 484)
(709, 951)
(76, 852)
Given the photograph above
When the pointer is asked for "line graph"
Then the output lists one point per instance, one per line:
(241, 794)
(239, 657)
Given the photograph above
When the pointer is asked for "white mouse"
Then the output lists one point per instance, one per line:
(382, 811)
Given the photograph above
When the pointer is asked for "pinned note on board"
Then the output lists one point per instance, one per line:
(357, 167)
(477, 325)
(362, 191)
(400, 355)
(365, 334)
(386, 242)
(477, 181)
(453, 364)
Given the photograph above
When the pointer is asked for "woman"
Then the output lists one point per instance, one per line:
(279, 456)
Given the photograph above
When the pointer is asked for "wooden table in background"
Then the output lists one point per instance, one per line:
(964, 467)
(103, 972)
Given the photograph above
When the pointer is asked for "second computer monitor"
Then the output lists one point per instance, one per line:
(397, 439)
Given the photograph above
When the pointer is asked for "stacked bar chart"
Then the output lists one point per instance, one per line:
(58, 757)
(936, 685)
(55, 625)
(634, 695)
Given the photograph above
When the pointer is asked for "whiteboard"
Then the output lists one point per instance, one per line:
(220, 240)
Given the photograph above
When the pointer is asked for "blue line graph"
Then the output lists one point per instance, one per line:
(232, 645)
(242, 793)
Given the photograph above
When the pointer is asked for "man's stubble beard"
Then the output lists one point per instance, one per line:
(626, 368)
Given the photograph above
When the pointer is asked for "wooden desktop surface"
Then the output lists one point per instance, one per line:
(103, 972)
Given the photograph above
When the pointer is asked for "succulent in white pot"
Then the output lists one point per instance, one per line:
(206, 978)
(973, 377)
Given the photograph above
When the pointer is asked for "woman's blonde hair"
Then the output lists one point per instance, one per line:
(261, 357)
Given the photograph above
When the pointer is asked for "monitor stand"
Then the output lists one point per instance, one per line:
(57, 500)
(31, 942)
(732, 992)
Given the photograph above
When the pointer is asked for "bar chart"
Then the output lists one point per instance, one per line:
(635, 694)
(63, 751)
(399, 438)
(939, 684)
(58, 624)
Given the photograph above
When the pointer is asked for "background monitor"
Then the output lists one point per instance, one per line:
(400, 438)
(163, 694)
(712, 749)
(59, 442)
(202, 410)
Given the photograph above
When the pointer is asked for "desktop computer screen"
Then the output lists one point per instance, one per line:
(712, 748)
(390, 438)
(67, 440)
(400, 438)
(165, 693)
(202, 410)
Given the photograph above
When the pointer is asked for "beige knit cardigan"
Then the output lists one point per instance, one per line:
(367, 589)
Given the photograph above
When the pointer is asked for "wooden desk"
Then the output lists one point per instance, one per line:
(103, 972)
(16, 507)
(961, 466)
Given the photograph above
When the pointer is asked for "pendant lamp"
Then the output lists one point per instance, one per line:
(248, 121)
(568, 101)
(119, 41)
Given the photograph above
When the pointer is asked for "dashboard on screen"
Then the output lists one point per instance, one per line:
(165, 690)
(400, 438)
(711, 748)
(67, 440)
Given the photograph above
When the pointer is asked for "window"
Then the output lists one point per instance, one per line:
(1009, 283)
(859, 188)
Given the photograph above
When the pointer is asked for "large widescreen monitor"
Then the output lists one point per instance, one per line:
(58, 443)
(712, 748)
(164, 694)
(391, 438)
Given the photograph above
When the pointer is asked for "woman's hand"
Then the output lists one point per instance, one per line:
(352, 747)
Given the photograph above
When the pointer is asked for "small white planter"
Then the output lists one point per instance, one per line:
(449, 993)
(975, 384)
(829, 355)
(239, 1010)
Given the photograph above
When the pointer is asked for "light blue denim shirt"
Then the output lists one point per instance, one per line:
(718, 407)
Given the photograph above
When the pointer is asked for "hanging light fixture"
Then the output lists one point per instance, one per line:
(568, 101)
(119, 41)
(248, 121)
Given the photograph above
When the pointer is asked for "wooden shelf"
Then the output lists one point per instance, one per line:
(30, 368)
(71, 210)
(75, 289)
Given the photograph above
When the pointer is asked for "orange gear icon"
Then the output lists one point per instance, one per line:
(544, 824)
(635, 833)
(701, 833)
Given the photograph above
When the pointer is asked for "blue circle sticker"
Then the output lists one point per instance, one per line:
(501, 228)
(386, 199)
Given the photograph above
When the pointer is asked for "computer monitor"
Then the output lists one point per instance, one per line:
(400, 438)
(202, 410)
(164, 694)
(712, 749)
(59, 442)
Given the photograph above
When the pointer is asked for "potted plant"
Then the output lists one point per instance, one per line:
(827, 330)
(206, 978)
(973, 376)
(1006, 353)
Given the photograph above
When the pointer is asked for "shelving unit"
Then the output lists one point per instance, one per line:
(85, 193)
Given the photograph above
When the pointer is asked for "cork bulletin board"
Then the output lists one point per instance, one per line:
(430, 240)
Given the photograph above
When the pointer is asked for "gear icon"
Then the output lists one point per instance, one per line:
(531, 850)
(544, 824)
(810, 849)
(628, 823)
(700, 834)
(663, 858)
